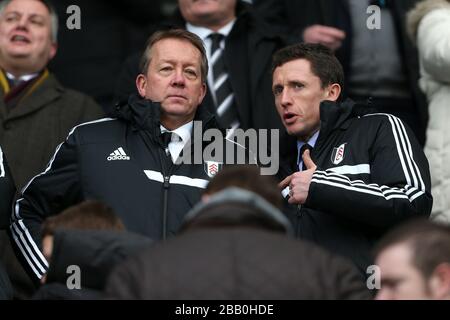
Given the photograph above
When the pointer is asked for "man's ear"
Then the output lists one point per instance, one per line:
(203, 93)
(333, 91)
(53, 50)
(141, 84)
(440, 282)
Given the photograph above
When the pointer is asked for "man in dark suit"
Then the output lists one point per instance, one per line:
(380, 64)
(240, 48)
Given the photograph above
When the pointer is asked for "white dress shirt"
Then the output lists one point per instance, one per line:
(203, 33)
(180, 136)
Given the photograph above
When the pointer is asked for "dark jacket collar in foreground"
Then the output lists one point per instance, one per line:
(144, 114)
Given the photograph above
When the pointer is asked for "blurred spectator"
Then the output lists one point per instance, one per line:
(36, 111)
(380, 64)
(244, 238)
(414, 262)
(7, 190)
(429, 26)
(95, 253)
(239, 83)
(89, 58)
(91, 237)
(90, 215)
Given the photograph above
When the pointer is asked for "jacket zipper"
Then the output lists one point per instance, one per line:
(166, 186)
(166, 182)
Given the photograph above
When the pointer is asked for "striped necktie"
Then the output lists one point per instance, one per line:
(226, 112)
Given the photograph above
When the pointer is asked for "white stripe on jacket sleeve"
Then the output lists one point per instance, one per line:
(19, 230)
(414, 186)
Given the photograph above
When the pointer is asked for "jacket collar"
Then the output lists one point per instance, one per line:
(339, 115)
(144, 114)
(43, 91)
(334, 115)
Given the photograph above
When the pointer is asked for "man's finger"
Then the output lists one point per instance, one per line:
(291, 200)
(333, 32)
(309, 163)
(327, 39)
(283, 184)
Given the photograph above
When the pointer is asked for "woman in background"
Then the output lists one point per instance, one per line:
(429, 27)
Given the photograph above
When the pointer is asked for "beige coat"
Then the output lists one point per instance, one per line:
(429, 26)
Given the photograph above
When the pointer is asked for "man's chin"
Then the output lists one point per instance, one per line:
(293, 131)
(174, 108)
(18, 54)
(299, 134)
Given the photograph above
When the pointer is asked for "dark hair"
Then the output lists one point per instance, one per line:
(175, 34)
(88, 215)
(246, 177)
(429, 243)
(323, 62)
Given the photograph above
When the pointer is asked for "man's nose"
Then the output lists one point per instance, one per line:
(285, 98)
(178, 78)
(22, 22)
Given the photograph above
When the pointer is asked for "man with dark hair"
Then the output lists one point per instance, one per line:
(91, 236)
(88, 215)
(414, 262)
(350, 175)
(323, 64)
(132, 162)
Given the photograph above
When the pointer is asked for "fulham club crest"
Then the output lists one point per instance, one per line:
(212, 167)
(338, 154)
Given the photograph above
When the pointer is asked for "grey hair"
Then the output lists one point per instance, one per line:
(51, 10)
(175, 34)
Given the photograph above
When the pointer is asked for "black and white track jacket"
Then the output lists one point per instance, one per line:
(371, 175)
(120, 161)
